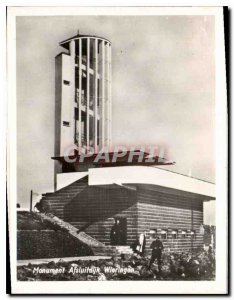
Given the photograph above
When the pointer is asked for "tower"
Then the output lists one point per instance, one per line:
(83, 94)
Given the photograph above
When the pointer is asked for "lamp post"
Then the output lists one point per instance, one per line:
(31, 196)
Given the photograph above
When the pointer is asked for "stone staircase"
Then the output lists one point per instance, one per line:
(97, 247)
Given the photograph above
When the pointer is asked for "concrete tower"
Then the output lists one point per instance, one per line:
(83, 94)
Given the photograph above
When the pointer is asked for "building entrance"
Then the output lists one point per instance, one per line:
(119, 232)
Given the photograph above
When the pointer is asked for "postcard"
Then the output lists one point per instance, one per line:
(117, 150)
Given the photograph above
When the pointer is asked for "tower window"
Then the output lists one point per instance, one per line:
(66, 82)
(65, 123)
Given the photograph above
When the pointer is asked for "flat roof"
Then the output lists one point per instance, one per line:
(122, 160)
(151, 176)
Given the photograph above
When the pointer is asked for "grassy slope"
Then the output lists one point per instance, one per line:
(38, 238)
(32, 221)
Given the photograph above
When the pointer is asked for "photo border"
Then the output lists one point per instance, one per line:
(222, 149)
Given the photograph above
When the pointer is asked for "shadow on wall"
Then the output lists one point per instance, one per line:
(95, 204)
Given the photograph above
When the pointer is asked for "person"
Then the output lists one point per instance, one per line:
(157, 247)
(115, 234)
(134, 246)
(210, 250)
(141, 243)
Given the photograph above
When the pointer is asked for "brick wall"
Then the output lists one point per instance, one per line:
(93, 209)
(169, 212)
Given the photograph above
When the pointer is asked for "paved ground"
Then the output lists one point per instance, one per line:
(47, 260)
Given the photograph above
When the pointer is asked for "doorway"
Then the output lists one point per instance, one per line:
(123, 230)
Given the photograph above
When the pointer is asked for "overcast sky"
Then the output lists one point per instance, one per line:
(163, 90)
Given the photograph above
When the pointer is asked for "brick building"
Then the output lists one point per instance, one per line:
(142, 198)
(91, 196)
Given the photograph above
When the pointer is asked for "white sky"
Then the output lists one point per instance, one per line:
(163, 90)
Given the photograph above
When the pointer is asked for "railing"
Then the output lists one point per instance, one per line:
(83, 98)
(83, 138)
(84, 61)
(91, 102)
(84, 101)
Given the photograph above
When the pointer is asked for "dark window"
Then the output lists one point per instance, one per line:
(164, 234)
(65, 123)
(193, 234)
(99, 45)
(91, 131)
(98, 91)
(84, 51)
(98, 137)
(66, 82)
(76, 114)
(174, 234)
(77, 78)
(91, 53)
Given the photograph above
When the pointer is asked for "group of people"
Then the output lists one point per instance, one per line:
(117, 238)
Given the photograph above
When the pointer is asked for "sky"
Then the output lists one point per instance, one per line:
(163, 91)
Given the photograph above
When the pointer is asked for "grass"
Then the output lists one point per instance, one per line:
(38, 238)
(32, 221)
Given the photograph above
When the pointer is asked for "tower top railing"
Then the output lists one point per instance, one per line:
(65, 43)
